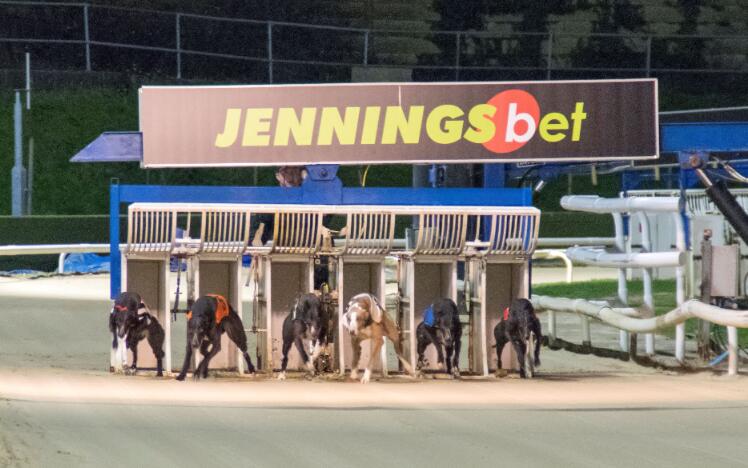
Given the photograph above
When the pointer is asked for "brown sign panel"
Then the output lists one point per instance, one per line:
(399, 123)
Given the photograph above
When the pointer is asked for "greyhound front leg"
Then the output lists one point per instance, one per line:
(121, 361)
(316, 351)
(376, 347)
(520, 349)
(187, 360)
(356, 356)
(456, 357)
(113, 354)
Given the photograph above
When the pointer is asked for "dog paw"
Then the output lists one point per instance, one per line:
(181, 377)
(159, 374)
(537, 363)
(367, 376)
(281, 376)
(354, 375)
(456, 373)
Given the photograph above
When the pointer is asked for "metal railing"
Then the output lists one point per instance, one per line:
(449, 54)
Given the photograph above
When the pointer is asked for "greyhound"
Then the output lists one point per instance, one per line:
(441, 327)
(365, 318)
(310, 317)
(210, 317)
(130, 322)
(519, 324)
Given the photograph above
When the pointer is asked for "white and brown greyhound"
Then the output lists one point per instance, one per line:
(366, 319)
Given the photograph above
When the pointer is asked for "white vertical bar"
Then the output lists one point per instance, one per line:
(680, 293)
(341, 310)
(164, 317)
(623, 336)
(732, 348)
(237, 287)
(383, 299)
(586, 338)
(268, 313)
(484, 318)
(647, 279)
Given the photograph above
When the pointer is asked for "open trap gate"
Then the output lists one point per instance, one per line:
(284, 268)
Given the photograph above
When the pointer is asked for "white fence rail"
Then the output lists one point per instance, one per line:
(173, 35)
(624, 319)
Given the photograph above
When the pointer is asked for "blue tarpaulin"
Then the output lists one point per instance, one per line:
(86, 263)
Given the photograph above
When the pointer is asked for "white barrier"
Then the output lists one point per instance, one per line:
(595, 204)
(647, 259)
(622, 317)
(602, 258)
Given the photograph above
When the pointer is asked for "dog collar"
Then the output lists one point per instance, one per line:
(506, 313)
(120, 307)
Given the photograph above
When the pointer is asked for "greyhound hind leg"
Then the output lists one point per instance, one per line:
(156, 341)
(235, 330)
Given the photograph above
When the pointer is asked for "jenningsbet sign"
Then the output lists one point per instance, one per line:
(399, 123)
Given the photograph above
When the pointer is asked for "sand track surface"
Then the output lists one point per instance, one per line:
(60, 407)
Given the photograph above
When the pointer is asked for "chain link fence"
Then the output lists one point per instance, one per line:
(181, 46)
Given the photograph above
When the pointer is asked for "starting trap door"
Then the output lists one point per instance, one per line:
(422, 281)
(493, 285)
(222, 275)
(149, 277)
(356, 275)
(284, 278)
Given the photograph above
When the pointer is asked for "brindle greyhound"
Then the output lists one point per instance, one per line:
(130, 322)
(210, 317)
(441, 327)
(310, 317)
(518, 322)
(365, 318)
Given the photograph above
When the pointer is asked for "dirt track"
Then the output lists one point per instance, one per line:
(60, 407)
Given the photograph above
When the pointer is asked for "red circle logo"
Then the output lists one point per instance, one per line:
(516, 120)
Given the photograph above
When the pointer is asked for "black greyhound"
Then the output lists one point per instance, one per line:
(310, 317)
(519, 321)
(441, 327)
(210, 317)
(131, 322)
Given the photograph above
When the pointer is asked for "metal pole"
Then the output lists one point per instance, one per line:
(30, 180)
(270, 52)
(623, 336)
(706, 294)
(366, 47)
(647, 280)
(457, 57)
(86, 37)
(649, 55)
(18, 173)
(179, 48)
(732, 348)
(549, 57)
(28, 81)
(115, 259)
(680, 293)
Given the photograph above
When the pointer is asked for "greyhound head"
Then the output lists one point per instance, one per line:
(362, 311)
(199, 321)
(120, 321)
(522, 312)
(308, 308)
(124, 313)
